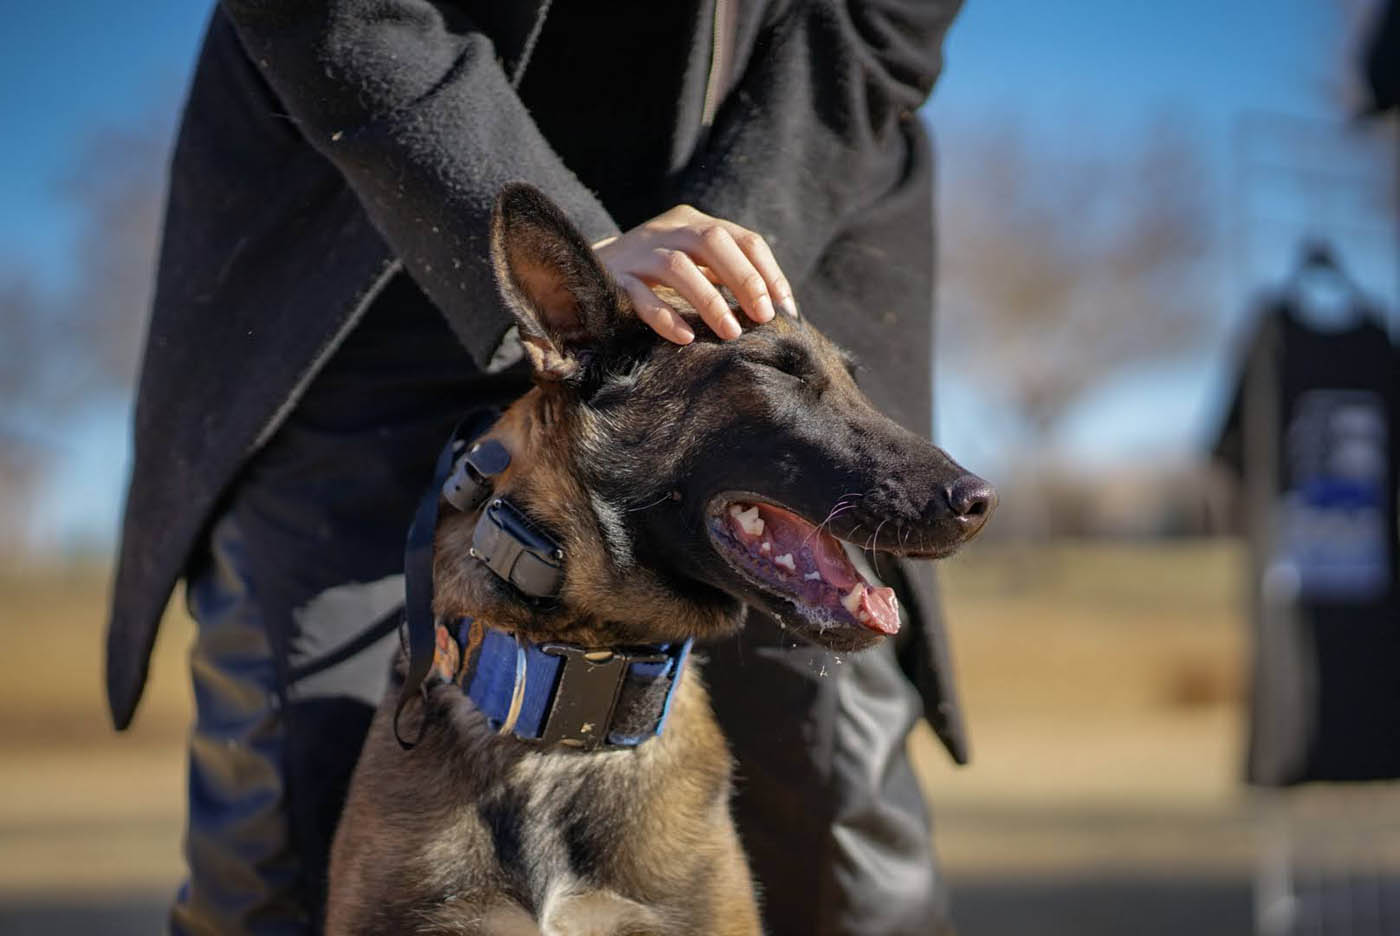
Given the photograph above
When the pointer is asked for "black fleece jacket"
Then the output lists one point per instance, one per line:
(326, 144)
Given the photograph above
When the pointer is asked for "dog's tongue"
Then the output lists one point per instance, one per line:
(789, 533)
(879, 603)
(876, 608)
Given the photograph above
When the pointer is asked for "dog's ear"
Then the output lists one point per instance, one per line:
(564, 302)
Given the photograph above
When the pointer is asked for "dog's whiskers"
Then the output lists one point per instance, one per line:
(840, 508)
(660, 500)
(875, 550)
(872, 542)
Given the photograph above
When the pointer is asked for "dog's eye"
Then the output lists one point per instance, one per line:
(772, 367)
(790, 360)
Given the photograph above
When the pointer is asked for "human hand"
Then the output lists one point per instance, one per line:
(690, 252)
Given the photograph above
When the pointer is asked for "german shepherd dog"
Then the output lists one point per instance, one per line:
(683, 484)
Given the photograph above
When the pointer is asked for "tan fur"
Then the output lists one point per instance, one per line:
(404, 840)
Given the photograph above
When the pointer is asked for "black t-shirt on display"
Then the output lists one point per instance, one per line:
(1314, 434)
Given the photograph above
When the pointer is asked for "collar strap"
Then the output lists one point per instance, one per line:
(557, 694)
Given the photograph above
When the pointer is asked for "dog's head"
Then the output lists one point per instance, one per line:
(685, 482)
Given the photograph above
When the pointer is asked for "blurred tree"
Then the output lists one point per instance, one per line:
(1063, 269)
(24, 323)
(118, 184)
(27, 329)
(68, 348)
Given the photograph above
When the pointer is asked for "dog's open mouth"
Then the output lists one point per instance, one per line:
(787, 556)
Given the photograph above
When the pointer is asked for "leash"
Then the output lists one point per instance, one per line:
(548, 694)
(419, 624)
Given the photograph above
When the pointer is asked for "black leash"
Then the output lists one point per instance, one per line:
(504, 540)
(419, 622)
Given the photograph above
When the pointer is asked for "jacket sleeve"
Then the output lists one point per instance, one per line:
(409, 101)
(818, 127)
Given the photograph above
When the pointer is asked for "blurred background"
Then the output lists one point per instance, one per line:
(1121, 183)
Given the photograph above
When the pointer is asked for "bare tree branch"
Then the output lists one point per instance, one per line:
(1060, 271)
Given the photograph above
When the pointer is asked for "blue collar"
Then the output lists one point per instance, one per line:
(561, 694)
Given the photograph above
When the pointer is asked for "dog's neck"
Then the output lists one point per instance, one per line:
(536, 664)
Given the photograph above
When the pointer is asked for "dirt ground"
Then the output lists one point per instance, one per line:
(1102, 684)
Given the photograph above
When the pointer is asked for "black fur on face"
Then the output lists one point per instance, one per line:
(645, 456)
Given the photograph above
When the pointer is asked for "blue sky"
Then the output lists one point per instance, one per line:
(70, 66)
(1089, 73)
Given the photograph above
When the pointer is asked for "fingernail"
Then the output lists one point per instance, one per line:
(731, 328)
(684, 333)
(788, 306)
(765, 309)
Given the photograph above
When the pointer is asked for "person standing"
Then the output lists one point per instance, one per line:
(325, 312)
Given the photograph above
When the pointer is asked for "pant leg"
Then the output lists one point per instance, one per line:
(834, 823)
(296, 599)
(884, 871)
(296, 607)
(284, 696)
(243, 876)
(338, 672)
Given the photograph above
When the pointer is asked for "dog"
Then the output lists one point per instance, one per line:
(660, 491)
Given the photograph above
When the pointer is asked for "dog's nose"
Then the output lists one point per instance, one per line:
(972, 501)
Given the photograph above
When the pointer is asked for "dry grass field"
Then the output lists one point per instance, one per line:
(1102, 683)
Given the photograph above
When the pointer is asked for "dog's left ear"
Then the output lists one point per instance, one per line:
(564, 302)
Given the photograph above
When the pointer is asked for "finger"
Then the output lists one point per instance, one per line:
(758, 252)
(662, 319)
(675, 269)
(716, 246)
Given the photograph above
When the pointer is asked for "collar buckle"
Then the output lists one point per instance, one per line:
(586, 698)
(565, 696)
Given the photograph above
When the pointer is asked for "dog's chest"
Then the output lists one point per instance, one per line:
(554, 830)
(619, 842)
(573, 913)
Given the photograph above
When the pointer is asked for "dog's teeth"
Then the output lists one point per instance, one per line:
(851, 600)
(786, 561)
(765, 547)
(749, 521)
(862, 617)
(812, 576)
